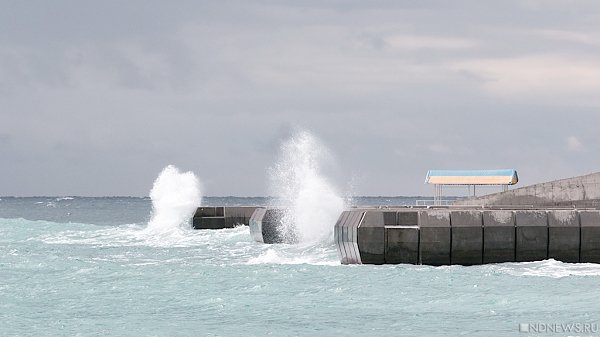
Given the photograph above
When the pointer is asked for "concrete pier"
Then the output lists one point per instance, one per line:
(467, 236)
(221, 217)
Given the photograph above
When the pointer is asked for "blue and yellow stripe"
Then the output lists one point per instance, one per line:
(472, 177)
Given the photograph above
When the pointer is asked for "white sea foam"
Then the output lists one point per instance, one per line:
(321, 256)
(549, 268)
(175, 196)
(312, 203)
(134, 235)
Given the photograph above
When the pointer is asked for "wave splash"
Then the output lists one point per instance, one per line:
(312, 203)
(175, 196)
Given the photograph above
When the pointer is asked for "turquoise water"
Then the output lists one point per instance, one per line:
(61, 275)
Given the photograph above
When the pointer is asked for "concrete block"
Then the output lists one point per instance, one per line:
(235, 216)
(209, 223)
(196, 223)
(337, 236)
(207, 218)
(402, 244)
(346, 237)
(352, 244)
(205, 212)
(371, 237)
(467, 237)
(271, 227)
(563, 235)
(434, 246)
(390, 218)
(531, 235)
(402, 238)
(265, 226)
(590, 236)
(256, 224)
(498, 236)
(407, 218)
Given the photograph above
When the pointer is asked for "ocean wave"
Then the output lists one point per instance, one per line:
(296, 254)
(549, 268)
(235, 246)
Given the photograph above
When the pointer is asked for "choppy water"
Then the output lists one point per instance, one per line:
(86, 266)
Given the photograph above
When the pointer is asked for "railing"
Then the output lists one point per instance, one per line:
(432, 202)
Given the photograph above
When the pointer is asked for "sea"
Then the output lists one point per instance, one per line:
(81, 266)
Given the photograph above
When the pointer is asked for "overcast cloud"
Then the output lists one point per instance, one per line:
(96, 97)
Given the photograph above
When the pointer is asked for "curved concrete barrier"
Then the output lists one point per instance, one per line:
(346, 236)
(266, 227)
(256, 224)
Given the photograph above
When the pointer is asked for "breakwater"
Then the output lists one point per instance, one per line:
(434, 236)
(222, 217)
(443, 236)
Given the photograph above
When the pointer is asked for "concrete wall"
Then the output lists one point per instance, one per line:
(583, 191)
(564, 233)
(371, 235)
(498, 236)
(265, 226)
(256, 224)
(435, 237)
(402, 239)
(590, 236)
(531, 236)
(221, 217)
(467, 236)
(346, 236)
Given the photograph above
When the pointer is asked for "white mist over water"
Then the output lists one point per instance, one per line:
(175, 196)
(299, 184)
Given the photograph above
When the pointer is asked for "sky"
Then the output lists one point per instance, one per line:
(97, 97)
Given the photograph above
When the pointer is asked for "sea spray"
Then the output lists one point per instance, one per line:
(175, 196)
(296, 180)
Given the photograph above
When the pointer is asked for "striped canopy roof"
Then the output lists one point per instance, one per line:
(472, 177)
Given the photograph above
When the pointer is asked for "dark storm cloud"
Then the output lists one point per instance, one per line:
(97, 97)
